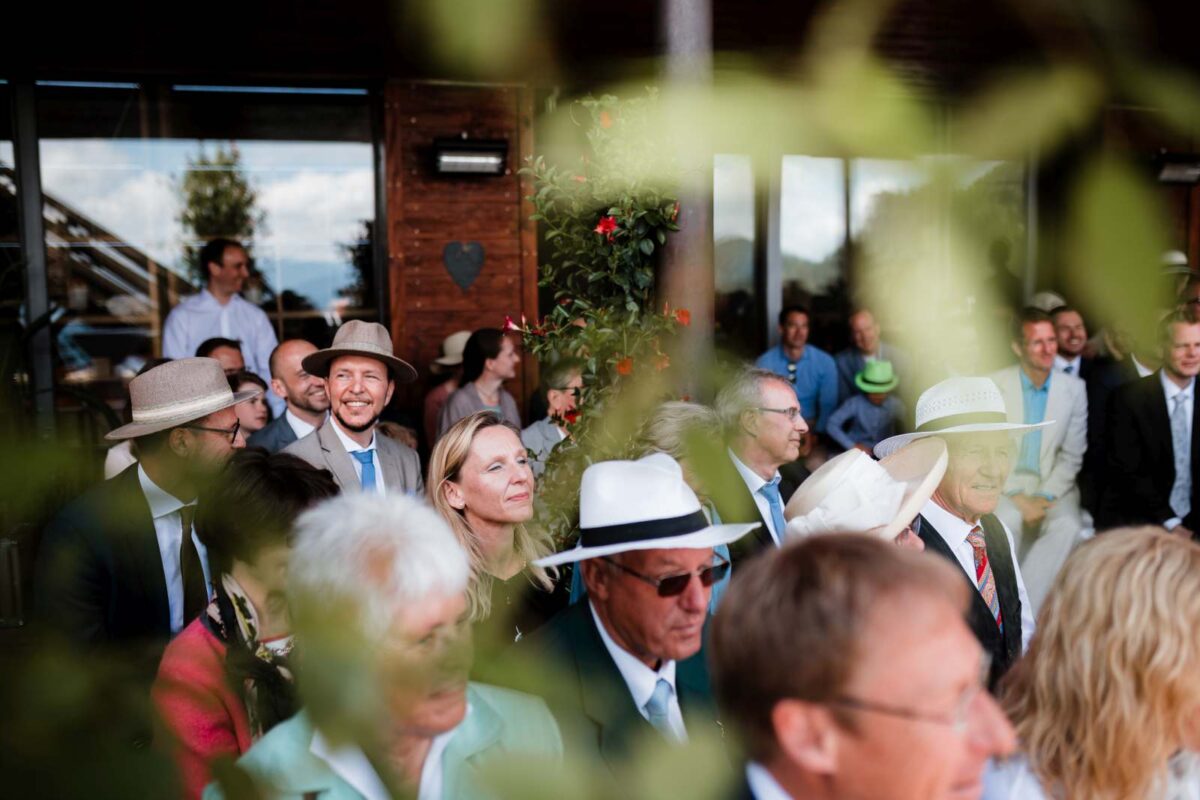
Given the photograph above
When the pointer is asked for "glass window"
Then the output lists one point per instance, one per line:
(738, 311)
(12, 267)
(136, 178)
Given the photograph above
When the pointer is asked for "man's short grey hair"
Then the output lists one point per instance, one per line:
(673, 426)
(741, 394)
(374, 555)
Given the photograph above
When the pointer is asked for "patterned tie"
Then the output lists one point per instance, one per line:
(657, 709)
(191, 573)
(366, 458)
(775, 501)
(983, 574)
(1181, 490)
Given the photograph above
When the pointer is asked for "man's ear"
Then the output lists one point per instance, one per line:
(1016, 348)
(748, 422)
(179, 442)
(595, 578)
(807, 735)
(391, 388)
(278, 388)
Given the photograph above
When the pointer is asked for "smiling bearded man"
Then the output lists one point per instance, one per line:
(959, 523)
(360, 375)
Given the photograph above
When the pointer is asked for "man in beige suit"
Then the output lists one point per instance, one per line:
(1041, 499)
(360, 373)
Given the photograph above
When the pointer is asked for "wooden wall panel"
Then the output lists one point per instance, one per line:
(426, 212)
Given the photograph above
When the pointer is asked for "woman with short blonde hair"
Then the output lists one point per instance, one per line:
(1106, 702)
(481, 483)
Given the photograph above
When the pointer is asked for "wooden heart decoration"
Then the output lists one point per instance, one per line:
(464, 262)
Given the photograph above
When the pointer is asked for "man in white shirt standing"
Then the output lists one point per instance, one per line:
(360, 372)
(959, 521)
(844, 664)
(630, 655)
(219, 311)
(307, 402)
(764, 426)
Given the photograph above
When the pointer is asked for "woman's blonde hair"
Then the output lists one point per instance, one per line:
(1102, 699)
(445, 463)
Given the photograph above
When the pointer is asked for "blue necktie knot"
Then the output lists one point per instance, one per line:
(770, 490)
(367, 459)
(658, 708)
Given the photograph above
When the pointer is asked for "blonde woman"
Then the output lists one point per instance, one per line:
(481, 483)
(1106, 702)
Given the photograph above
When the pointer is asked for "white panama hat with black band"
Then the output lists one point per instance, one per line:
(641, 505)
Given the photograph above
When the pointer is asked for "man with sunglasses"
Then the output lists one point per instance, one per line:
(121, 566)
(631, 659)
(866, 682)
(562, 382)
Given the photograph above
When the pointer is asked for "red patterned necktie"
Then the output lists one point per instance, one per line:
(983, 574)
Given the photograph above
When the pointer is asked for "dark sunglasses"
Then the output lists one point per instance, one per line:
(673, 585)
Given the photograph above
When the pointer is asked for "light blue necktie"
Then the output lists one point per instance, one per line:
(657, 707)
(1181, 490)
(366, 458)
(775, 501)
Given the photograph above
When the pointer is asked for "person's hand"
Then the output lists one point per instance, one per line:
(1033, 508)
(1182, 531)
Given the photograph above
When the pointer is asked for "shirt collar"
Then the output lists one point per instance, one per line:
(784, 356)
(351, 765)
(640, 678)
(208, 298)
(1027, 384)
(1170, 389)
(162, 502)
(1061, 363)
(951, 528)
(753, 480)
(763, 785)
(299, 426)
(348, 443)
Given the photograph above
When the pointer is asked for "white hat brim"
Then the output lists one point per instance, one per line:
(135, 429)
(894, 443)
(711, 536)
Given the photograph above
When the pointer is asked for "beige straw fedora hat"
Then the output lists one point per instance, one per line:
(853, 493)
(452, 350)
(359, 338)
(176, 393)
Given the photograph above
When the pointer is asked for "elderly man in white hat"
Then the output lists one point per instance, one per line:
(631, 654)
(121, 564)
(361, 372)
(958, 522)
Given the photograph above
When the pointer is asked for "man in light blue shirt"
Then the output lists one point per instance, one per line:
(811, 371)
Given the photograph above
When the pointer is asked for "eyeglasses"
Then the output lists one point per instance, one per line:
(673, 585)
(791, 413)
(230, 432)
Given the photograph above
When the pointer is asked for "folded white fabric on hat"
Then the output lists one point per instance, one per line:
(865, 498)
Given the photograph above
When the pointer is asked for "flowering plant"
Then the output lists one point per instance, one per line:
(605, 225)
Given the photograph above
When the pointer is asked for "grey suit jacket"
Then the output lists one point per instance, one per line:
(277, 435)
(322, 448)
(1064, 442)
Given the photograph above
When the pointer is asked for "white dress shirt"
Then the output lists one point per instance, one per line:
(762, 783)
(754, 483)
(1075, 363)
(641, 680)
(351, 765)
(201, 317)
(953, 531)
(298, 426)
(354, 447)
(168, 529)
(1170, 390)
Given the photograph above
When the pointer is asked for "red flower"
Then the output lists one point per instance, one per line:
(683, 317)
(606, 119)
(675, 212)
(579, 179)
(571, 416)
(566, 301)
(661, 362)
(510, 324)
(606, 226)
(625, 366)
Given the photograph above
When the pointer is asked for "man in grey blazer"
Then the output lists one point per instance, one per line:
(1041, 499)
(306, 401)
(360, 373)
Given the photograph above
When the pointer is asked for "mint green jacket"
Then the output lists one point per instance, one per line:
(499, 723)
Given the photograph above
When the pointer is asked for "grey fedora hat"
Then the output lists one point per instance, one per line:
(359, 338)
(176, 393)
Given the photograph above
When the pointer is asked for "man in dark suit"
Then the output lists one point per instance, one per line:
(1153, 446)
(764, 426)
(959, 522)
(121, 565)
(305, 399)
(630, 658)
(827, 657)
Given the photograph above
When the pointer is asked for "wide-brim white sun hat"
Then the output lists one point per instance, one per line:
(641, 505)
(958, 405)
(176, 393)
(853, 493)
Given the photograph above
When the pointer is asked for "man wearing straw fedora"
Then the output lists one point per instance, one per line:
(360, 373)
(121, 564)
(959, 523)
(631, 654)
